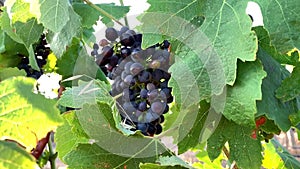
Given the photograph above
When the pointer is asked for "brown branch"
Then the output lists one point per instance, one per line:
(228, 155)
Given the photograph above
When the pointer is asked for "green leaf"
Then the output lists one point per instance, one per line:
(282, 21)
(243, 149)
(14, 156)
(271, 158)
(98, 122)
(22, 112)
(61, 39)
(76, 61)
(55, 14)
(87, 92)
(90, 156)
(289, 88)
(271, 106)
(217, 45)
(32, 60)
(7, 60)
(172, 161)
(265, 43)
(193, 137)
(12, 48)
(88, 36)
(26, 26)
(290, 161)
(204, 161)
(241, 98)
(90, 15)
(68, 136)
(10, 72)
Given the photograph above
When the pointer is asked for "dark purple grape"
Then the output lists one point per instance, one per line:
(165, 44)
(166, 75)
(136, 68)
(142, 106)
(150, 86)
(144, 93)
(111, 34)
(94, 52)
(157, 75)
(152, 94)
(138, 38)
(127, 39)
(164, 84)
(144, 77)
(128, 79)
(107, 52)
(142, 127)
(166, 110)
(158, 129)
(170, 99)
(167, 91)
(131, 32)
(161, 118)
(157, 107)
(103, 42)
(127, 67)
(155, 64)
(125, 52)
(123, 29)
(151, 129)
(95, 46)
(114, 60)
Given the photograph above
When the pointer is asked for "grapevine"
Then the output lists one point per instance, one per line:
(83, 86)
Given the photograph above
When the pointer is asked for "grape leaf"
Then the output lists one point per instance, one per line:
(271, 106)
(290, 161)
(100, 117)
(11, 72)
(282, 20)
(55, 14)
(289, 88)
(14, 156)
(90, 15)
(61, 39)
(204, 161)
(265, 43)
(172, 161)
(213, 39)
(241, 98)
(18, 104)
(26, 26)
(68, 136)
(76, 61)
(271, 158)
(90, 156)
(7, 60)
(86, 92)
(12, 48)
(192, 139)
(243, 149)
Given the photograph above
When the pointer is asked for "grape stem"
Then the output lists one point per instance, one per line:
(228, 155)
(52, 153)
(103, 12)
(125, 17)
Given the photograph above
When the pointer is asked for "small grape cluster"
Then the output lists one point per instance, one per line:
(140, 78)
(41, 54)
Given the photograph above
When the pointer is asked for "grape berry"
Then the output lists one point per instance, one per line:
(41, 52)
(140, 78)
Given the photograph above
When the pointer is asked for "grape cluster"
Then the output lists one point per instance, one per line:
(41, 52)
(140, 78)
